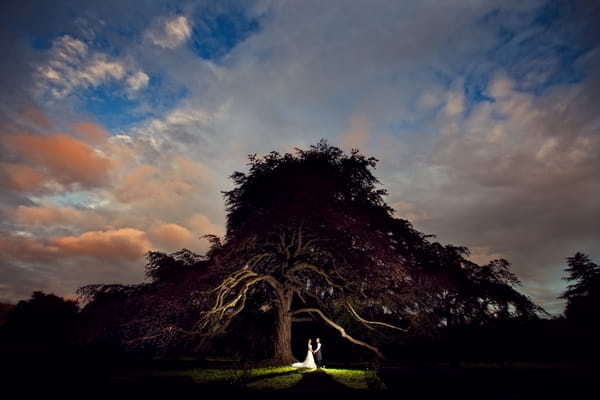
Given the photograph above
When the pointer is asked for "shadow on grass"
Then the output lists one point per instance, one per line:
(319, 380)
(257, 378)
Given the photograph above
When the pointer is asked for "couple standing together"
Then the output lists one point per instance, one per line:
(314, 356)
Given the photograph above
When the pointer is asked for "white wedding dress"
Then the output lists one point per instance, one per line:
(309, 361)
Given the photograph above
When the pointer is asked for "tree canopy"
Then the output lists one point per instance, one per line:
(309, 236)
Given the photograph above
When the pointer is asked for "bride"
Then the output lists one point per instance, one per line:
(309, 361)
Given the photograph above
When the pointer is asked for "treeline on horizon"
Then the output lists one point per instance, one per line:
(46, 327)
(370, 285)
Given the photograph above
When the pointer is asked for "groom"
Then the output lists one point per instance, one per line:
(317, 353)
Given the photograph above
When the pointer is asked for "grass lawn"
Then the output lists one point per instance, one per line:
(270, 378)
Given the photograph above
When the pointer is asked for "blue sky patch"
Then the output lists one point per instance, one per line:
(540, 49)
(213, 37)
(116, 111)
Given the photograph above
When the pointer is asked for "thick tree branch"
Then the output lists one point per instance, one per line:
(243, 280)
(340, 329)
(369, 323)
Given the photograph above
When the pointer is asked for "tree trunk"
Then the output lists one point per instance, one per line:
(283, 336)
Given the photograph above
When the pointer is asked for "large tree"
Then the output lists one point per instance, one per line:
(310, 237)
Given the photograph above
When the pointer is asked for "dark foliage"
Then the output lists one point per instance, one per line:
(37, 336)
(40, 325)
(583, 294)
(149, 319)
(4, 310)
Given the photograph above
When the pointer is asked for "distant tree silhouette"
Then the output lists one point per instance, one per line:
(309, 237)
(40, 325)
(4, 310)
(583, 294)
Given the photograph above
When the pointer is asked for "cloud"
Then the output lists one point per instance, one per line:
(137, 81)
(33, 116)
(170, 32)
(516, 176)
(89, 132)
(71, 66)
(172, 237)
(119, 207)
(61, 264)
(175, 181)
(113, 244)
(409, 211)
(17, 283)
(126, 243)
(519, 139)
(55, 158)
(202, 225)
(24, 248)
(455, 103)
(40, 216)
(482, 255)
(358, 135)
(21, 178)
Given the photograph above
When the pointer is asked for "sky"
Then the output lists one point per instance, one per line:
(121, 123)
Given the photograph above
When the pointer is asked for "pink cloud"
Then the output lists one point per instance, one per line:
(139, 184)
(125, 243)
(71, 297)
(358, 135)
(482, 255)
(21, 177)
(89, 132)
(174, 182)
(49, 216)
(410, 211)
(202, 225)
(172, 237)
(25, 248)
(62, 159)
(34, 116)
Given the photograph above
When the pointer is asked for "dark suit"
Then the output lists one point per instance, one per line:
(318, 353)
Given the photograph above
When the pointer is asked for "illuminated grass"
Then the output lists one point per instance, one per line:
(278, 378)
(352, 378)
(275, 378)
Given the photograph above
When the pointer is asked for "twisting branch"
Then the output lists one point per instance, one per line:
(243, 279)
(369, 323)
(255, 260)
(229, 283)
(341, 330)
